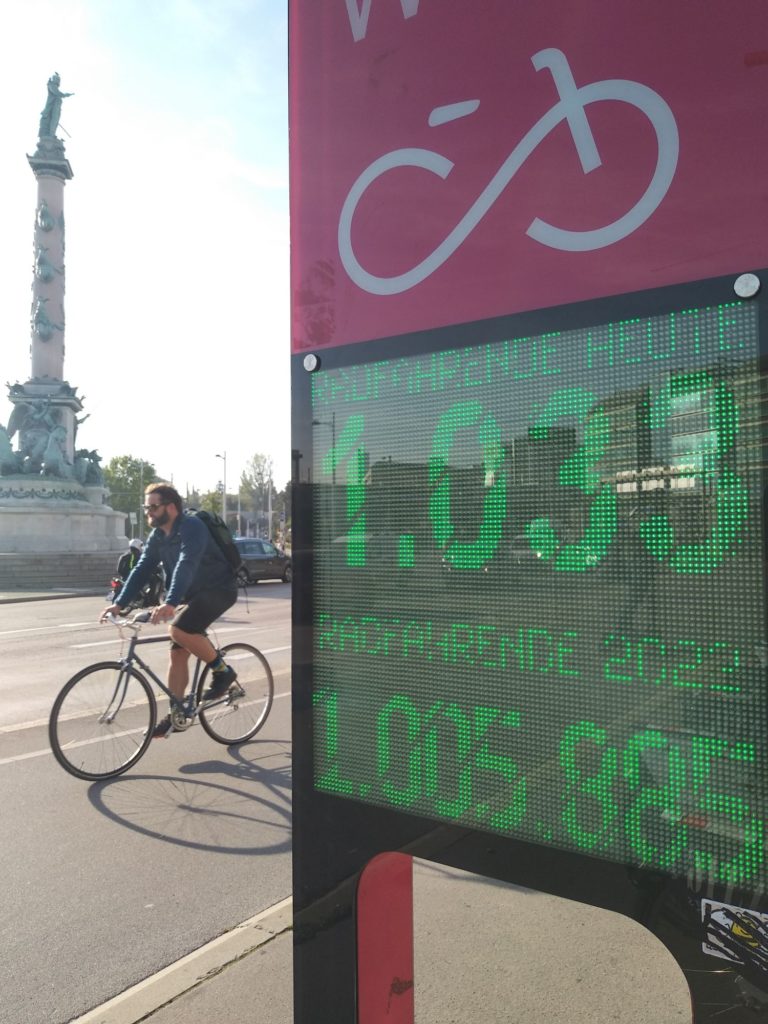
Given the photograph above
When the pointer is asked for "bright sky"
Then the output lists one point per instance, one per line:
(177, 299)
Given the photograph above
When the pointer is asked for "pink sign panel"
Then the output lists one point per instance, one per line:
(453, 161)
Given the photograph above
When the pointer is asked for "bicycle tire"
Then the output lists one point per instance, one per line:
(242, 715)
(87, 746)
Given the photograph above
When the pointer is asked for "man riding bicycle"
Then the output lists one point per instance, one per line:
(199, 577)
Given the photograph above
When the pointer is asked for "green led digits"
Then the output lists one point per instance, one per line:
(399, 718)
(331, 778)
(597, 786)
(513, 782)
(537, 604)
(461, 747)
(737, 814)
(446, 760)
(722, 811)
(663, 801)
(344, 445)
(661, 798)
(355, 515)
(593, 468)
(732, 506)
(578, 471)
(475, 554)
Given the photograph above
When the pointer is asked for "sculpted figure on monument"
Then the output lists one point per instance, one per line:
(35, 422)
(87, 469)
(43, 326)
(81, 464)
(32, 415)
(95, 472)
(54, 461)
(44, 220)
(33, 443)
(44, 269)
(49, 118)
(10, 461)
(76, 424)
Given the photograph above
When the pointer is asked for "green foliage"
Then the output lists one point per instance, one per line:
(253, 499)
(210, 501)
(126, 477)
(255, 481)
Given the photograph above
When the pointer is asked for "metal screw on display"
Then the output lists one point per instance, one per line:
(747, 286)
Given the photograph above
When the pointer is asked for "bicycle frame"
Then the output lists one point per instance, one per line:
(188, 705)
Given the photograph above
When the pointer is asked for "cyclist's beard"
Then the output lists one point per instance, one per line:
(161, 519)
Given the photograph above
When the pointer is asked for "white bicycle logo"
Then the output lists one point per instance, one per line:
(570, 108)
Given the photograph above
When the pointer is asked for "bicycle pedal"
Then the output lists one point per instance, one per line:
(179, 721)
(235, 692)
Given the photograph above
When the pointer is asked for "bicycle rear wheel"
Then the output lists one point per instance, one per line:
(101, 723)
(240, 716)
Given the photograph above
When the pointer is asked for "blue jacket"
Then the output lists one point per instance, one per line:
(191, 558)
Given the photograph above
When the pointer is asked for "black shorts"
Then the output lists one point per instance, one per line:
(204, 608)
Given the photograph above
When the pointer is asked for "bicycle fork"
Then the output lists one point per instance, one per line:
(117, 699)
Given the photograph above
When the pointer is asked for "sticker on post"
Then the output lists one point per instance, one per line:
(736, 934)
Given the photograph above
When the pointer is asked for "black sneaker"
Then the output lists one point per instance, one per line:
(163, 728)
(220, 684)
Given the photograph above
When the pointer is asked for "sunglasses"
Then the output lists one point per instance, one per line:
(158, 504)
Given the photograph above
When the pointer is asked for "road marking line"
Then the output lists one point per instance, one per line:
(47, 750)
(136, 1003)
(45, 629)
(44, 721)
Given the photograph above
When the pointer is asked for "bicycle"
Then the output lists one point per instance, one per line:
(102, 721)
(571, 108)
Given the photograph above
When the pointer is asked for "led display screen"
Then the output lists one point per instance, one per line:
(538, 587)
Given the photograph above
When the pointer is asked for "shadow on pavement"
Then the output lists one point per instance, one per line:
(246, 811)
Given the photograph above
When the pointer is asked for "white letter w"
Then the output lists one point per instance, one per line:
(358, 17)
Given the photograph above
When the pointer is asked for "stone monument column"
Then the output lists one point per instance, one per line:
(47, 313)
(46, 386)
(52, 494)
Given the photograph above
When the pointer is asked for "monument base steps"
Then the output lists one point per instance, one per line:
(52, 571)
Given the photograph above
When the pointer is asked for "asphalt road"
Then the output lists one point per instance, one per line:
(104, 884)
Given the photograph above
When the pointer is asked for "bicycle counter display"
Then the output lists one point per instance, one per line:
(538, 585)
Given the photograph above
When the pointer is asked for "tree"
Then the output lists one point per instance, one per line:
(281, 507)
(255, 482)
(126, 477)
(210, 501)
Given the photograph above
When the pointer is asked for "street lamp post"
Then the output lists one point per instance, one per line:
(224, 487)
(140, 520)
(269, 509)
(332, 424)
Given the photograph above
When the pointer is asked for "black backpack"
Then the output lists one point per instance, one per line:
(222, 535)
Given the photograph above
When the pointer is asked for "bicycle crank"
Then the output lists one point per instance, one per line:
(179, 720)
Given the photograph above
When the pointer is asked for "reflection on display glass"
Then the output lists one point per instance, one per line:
(538, 589)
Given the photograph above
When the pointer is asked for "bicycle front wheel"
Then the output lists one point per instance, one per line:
(102, 721)
(242, 713)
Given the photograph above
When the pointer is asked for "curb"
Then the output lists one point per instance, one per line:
(194, 969)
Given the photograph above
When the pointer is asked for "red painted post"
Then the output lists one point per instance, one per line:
(385, 941)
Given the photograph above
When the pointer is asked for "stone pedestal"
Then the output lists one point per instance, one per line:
(40, 515)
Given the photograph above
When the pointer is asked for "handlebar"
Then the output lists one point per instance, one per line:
(135, 622)
(141, 618)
